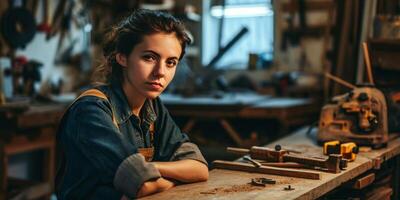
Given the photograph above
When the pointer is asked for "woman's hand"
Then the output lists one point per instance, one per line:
(151, 187)
(186, 171)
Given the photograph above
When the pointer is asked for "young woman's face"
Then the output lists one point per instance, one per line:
(151, 65)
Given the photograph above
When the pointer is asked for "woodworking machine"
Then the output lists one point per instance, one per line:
(358, 116)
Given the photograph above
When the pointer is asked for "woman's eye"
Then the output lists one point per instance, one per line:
(149, 57)
(172, 63)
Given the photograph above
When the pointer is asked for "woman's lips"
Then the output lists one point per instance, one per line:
(155, 86)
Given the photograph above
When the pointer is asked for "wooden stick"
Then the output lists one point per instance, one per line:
(265, 169)
(239, 151)
(284, 164)
(340, 81)
(368, 63)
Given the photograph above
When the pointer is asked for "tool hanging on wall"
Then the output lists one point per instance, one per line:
(32, 6)
(57, 19)
(64, 25)
(17, 72)
(31, 75)
(18, 25)
(44, 26)
(25, 74)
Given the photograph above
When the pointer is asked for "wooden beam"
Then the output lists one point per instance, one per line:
(232, 132)
(265, 170)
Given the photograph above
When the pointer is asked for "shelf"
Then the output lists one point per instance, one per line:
(385, 44)
(385, 53)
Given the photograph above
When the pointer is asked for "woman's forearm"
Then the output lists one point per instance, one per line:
(183, 170)
(151, 187)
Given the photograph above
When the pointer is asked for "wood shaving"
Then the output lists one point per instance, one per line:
(233, 188)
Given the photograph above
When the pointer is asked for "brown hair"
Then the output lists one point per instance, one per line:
(124, 36)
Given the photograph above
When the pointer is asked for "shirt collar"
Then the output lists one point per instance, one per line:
(122, 109)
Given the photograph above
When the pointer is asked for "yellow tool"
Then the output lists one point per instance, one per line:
(347, 150)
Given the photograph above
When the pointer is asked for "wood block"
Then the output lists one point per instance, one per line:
(364, 181)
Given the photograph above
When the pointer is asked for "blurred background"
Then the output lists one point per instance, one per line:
(254, 72)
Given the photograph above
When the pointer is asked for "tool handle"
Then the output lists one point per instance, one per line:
(255, 163)
(283, 164)
(305, 160)
(239, 151)
(267, 154)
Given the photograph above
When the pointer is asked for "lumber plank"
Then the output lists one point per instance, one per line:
(221, 164)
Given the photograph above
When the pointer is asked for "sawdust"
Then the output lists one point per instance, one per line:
(234, 188)
(286, 181)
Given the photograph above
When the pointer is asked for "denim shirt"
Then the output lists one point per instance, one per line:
(100, 160)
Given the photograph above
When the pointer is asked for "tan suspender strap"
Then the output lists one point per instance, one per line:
(148, 153)
(93, 92)
(100, 94)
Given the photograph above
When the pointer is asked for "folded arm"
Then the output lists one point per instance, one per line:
(186, 171)
(151, 187)
(187, 165)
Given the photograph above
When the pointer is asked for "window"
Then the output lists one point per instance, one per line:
(255, 15)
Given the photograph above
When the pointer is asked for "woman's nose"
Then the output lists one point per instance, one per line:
(159, 70)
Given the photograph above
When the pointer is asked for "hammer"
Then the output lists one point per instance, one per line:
(334, 163)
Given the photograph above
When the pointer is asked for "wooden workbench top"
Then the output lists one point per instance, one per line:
(226, 184)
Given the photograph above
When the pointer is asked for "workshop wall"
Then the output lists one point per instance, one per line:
(44, 50)
(304, 52)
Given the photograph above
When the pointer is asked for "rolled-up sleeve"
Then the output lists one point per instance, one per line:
(132, 173)
(190, 151)
(109, 156)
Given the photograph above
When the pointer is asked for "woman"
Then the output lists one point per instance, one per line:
(118, 140)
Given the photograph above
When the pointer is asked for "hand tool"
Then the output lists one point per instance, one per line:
(255, 163)
(288, 188)
(262, 181)
(347, 150)
(334, 163)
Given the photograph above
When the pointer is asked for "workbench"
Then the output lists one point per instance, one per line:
(227, 184)
(26, 129)
(287, 112)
